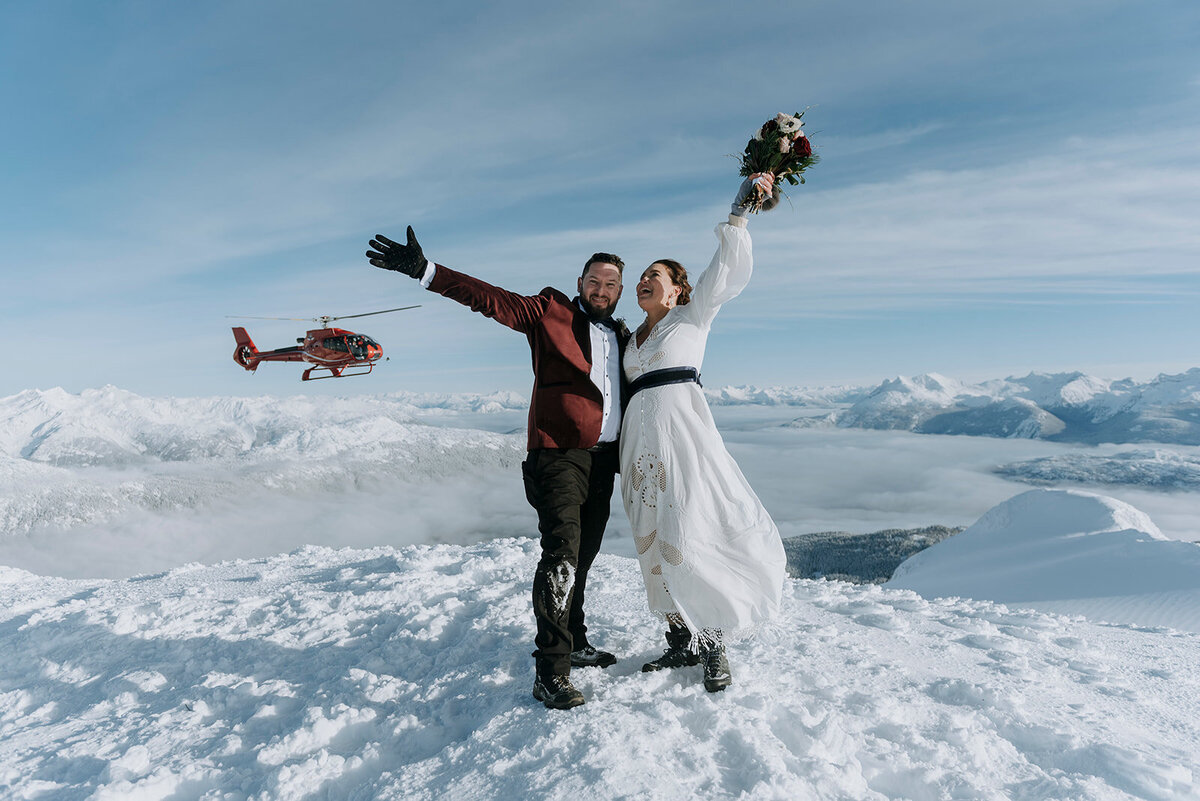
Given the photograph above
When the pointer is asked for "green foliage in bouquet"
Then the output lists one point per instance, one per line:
(781, 148)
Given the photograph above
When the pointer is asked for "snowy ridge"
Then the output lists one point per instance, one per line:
(1156, 469)
(74, 460)
(1069, 407)
(110, 426)
(819, 397)
(404, 674)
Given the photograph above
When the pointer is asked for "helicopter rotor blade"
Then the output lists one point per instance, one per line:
(324, 320)
(368, 314)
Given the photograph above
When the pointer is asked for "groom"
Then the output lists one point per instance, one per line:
(574, 422)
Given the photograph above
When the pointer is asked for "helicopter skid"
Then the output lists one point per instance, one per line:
(334, 372)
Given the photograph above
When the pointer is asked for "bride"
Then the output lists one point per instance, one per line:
(710, 554)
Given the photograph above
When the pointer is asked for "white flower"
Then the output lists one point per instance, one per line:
(788, 124)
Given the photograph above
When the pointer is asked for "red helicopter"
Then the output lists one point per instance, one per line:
(332, 349)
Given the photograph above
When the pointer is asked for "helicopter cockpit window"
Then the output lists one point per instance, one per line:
(358, 345)
(335, 343)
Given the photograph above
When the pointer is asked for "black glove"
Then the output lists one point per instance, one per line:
(389, 255)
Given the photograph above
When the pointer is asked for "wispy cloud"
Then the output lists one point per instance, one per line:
(233, 171)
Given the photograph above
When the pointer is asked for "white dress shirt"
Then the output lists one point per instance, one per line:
(606, 375)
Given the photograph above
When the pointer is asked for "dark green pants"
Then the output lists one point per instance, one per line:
(570, 488)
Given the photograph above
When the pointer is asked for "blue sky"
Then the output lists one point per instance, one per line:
(1003, 187)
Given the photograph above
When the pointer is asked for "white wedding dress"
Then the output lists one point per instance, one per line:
(709, 551)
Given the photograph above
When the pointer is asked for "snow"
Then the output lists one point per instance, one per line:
(404, 673)
(1070, 551)
(329, 598)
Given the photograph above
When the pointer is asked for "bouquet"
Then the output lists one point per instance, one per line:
(780, 148)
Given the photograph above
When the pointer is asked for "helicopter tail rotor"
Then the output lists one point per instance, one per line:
(245, 354)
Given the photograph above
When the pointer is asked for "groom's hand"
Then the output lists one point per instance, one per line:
(389, 255)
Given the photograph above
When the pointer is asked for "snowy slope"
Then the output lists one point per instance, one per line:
(1070, 551)
(404, 674)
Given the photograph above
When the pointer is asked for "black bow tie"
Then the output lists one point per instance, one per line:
(617, 326)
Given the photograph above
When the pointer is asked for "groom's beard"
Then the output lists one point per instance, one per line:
(598, 314)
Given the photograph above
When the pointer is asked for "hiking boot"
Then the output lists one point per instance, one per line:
(678, 653)
(590, 657)
(672, 658)
(717, 675)
(556, 692)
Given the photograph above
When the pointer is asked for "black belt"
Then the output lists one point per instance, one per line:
(661, 378)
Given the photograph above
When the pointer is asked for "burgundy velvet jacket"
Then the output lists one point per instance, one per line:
(566, 409)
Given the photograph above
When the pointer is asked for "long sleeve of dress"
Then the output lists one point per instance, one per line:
(726, 275)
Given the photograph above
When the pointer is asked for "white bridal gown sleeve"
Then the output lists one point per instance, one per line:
(708, 549)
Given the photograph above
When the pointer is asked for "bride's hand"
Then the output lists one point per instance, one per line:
(761, 185)
(765, 181)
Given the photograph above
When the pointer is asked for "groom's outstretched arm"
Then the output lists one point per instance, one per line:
(519, 312)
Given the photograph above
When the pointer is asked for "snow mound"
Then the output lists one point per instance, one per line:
(1068, 548)
(405, 674)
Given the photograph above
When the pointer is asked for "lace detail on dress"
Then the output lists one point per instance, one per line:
(657, 357)
(670, 554)
(651, 403)
(656, 570)
(649, 478)
(643, 543)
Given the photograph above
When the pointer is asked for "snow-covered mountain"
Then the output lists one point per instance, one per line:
(818, 397)
(1066, 407)
(1158, 469)
(110, 426)
(112, 466)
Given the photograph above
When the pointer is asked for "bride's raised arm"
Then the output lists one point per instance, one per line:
(729, 271)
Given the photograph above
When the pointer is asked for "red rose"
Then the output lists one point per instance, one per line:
(802, 148)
